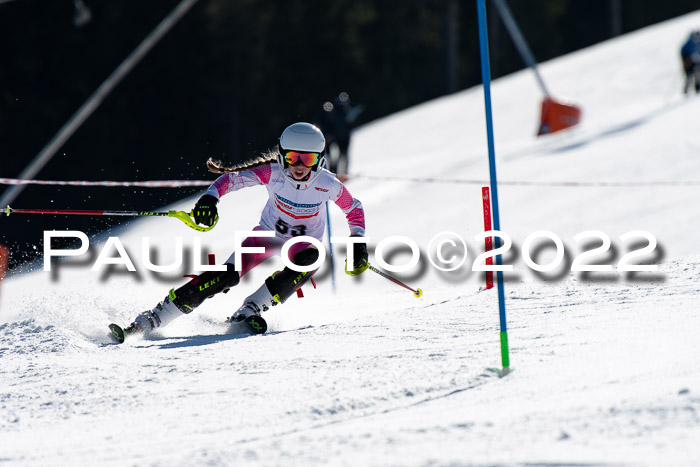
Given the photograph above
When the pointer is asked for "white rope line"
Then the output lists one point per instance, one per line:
(195, 183)
(150, 184)
(532, 183)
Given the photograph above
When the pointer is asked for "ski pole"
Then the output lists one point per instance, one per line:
(181, 215)
(330, 246)
(416, 293)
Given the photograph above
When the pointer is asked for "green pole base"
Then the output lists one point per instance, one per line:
(505, 358)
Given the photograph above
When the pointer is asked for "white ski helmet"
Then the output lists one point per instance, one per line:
(302, 137)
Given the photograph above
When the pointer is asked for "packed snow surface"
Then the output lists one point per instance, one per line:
(605, 364)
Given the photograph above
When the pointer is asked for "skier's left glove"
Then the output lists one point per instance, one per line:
(205, 211)
(360, 260)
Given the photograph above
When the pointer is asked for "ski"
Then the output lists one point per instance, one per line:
(117, 333)
(253, 324)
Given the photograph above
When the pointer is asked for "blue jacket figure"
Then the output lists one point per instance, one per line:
(690, 54)
(335, 120)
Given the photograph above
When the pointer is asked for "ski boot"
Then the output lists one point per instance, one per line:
(248, 315)
(160, 315)
(247, 319)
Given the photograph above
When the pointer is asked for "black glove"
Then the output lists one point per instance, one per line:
(360, 259)
(205, 211)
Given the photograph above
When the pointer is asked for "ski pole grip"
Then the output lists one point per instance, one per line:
(187, 219)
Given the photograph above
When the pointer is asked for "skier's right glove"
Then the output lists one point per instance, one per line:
(205, 211)
(360, 260)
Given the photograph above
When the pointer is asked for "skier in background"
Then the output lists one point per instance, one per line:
(690, 54)
(335, 120)
(298, 187)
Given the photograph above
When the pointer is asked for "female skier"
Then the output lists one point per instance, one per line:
(298, 186)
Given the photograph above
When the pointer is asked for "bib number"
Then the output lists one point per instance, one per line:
(284, 228)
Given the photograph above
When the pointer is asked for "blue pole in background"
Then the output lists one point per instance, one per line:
(486, 78)
(330, 245)
(519, 41)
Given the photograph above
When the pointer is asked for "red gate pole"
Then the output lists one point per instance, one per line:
(488, 241)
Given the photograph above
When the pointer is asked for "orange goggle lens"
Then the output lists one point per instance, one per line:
(309, 159)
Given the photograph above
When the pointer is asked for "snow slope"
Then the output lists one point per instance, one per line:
(605, 363)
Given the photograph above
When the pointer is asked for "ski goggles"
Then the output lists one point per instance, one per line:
(308, 159)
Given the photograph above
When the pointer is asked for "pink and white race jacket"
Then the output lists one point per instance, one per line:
(295, 209)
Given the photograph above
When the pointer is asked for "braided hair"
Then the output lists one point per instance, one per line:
(270, 156)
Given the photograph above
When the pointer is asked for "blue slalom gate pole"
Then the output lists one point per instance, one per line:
(486, 78)
(330, 245)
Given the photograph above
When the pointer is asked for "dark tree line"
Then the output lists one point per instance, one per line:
(231, 75)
